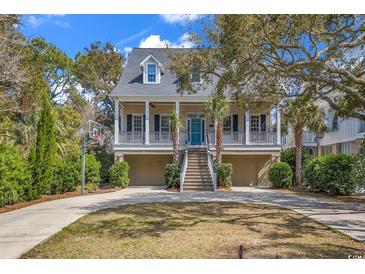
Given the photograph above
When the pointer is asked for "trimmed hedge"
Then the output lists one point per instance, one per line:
(172, 175)
(224, 174)
(331, 174)
(280, 174)
(14, 175)
(118, 174)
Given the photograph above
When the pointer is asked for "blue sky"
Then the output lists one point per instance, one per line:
(72, 33)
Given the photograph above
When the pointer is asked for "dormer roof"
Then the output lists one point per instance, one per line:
(149, 57)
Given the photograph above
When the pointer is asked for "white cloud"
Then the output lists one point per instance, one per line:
(179, 18)
(154, 41)
(36, 21)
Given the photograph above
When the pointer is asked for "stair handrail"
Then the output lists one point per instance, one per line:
(213, 173)
(183, 170)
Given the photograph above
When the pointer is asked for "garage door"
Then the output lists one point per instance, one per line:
(147, 170)
(248, 170)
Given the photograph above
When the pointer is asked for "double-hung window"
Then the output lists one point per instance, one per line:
(255, 123)
(151, 73)
(137, 123)
(227, 125)
(165, 123)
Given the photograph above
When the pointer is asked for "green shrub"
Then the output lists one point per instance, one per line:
(14, 175)
(92, 169)
(280, 174)
(312, 174)
(172, 175)
(224, 174)
(118, 174)
(331, 174)
(288, 156)
(358, 172)
(106, 159)
(67, 174)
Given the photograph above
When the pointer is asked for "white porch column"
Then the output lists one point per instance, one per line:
(116, 121)
(247, 126)
(278, 127)
(177, 111)
(147, 123)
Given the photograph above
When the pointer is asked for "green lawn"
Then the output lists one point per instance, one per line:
(197, 230)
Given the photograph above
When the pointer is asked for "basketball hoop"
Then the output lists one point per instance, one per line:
(100, 138)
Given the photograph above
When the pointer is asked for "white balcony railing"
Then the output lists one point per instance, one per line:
(131, 137)
(265, 137)
(229, 138)
(159, 137)
(234, 137)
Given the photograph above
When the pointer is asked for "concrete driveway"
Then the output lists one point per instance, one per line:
(22, 229)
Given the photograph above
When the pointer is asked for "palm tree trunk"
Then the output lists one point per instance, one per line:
(298, 138)
(219, 144)
(175, 143)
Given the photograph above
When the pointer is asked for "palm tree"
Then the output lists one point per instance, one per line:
(218, 108)
(175, 124)
(298, 114)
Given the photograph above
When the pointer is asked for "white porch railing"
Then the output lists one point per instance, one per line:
(131, 137)
(213, 173)
(160, 137)
(265, 137)
(229, 138)
(183, 170)
(234, 137)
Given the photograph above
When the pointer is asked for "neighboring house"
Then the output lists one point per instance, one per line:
(343, 135)
(145, 97)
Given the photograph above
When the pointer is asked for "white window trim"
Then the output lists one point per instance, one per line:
(165, 115)
(231, 130)
(259, 115)
(140, 115)
(145, 73)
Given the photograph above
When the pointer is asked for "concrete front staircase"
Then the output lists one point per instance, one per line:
(197, 177)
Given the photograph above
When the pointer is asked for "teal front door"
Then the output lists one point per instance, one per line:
(196, 138)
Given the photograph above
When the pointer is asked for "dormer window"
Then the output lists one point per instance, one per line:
(151, 73)
(152, 70)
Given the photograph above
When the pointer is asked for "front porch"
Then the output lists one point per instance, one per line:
(145, 125)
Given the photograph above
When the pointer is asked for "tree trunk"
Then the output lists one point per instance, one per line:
(175, 144)
(219, 144)
(298, 138)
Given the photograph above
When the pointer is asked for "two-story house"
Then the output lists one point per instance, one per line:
(145, 97)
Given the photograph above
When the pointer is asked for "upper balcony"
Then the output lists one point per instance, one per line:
(146, 126)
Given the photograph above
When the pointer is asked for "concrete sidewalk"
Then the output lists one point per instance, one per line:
(22, 229)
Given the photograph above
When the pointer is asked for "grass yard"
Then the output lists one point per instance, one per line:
(197, 230)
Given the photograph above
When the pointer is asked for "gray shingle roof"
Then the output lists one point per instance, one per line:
(131, 81)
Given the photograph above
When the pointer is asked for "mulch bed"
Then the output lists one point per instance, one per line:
(46, 198)
(173, 189)
(224, 189)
